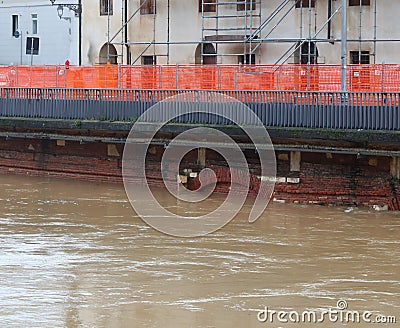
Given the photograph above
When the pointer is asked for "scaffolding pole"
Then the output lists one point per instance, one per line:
(360, 35)
(375, 10)
(344, 46)
(108, 31)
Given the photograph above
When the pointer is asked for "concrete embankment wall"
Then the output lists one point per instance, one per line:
(60, 158)
(336, 175)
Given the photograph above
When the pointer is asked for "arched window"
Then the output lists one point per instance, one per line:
(205, 54)
(104, 56)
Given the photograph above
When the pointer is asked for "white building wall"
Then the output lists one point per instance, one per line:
(186, 24)
(96, 28)
(58, 38)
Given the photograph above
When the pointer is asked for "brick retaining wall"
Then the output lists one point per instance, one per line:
(323, 179)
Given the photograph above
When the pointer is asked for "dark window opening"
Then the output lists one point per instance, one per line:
(147, 7)
(32, 46)
(250, 59)
(108, 53)
(246, 5)
(14, 24)
(307, 54)
(357, 2)
(357, 57)
(207, 6)
(305, 3)
(106, 7)
(149, 60)
(205, 54)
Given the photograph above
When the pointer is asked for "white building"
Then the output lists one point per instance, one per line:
(34, 32)
(99, 26)
(281, 31)
(199, 31)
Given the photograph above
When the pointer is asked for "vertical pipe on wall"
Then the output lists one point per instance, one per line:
(22, 45)
(259, 24)
(168, 28)
(301, 30)
(80, 33)
(108, 31)
(360, 35)
(123, 3)
(125, 24)
(315, 34)
(245, 32)
(375, 9)
(154, 31)
(329, 19)
(202, 30)
(309, 33)
(344, 46)
(217, 30)
(249, 28)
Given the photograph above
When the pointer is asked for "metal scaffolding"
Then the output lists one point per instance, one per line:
(221, 23)
(150, 44)
(242, 22)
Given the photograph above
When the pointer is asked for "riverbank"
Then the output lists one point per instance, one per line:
(314, 166)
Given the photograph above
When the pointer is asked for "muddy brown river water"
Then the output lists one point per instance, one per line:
(74, 254)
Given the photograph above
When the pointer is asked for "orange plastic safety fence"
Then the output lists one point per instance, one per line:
(32, 76)
(168, 78)
(5, 77)
(92, 77)
(360, 78)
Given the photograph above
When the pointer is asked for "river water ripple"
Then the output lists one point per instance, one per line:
(74, 254)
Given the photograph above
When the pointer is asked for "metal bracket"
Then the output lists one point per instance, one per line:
(76, 8)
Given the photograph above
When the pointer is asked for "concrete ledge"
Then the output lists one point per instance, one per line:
(388, 140)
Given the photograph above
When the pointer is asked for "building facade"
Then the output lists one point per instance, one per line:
(197, 32)
(35, 32)
(252, 31)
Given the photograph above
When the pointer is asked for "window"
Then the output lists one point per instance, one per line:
(34, 24)
(357, 2)
(32, 46)
(14, 24)
(246, 5)
(149, 60)
(207, 6)
(106, 7)
(357, 57)
(206, 54)
(147, 7)
(308, 53)
(251, 60)
(305, 3)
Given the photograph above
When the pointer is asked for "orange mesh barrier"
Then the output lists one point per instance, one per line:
(329, 78)
(92, 77)
(168, 77)
(131, 78)
(148, 77)
(360, 78)
(38, 76)
(189, 77)
(5, 77)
